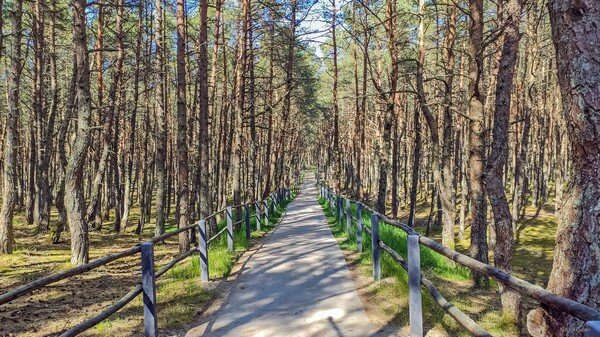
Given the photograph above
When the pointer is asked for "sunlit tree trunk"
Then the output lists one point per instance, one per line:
(9, 178)
(74, 199)
(576, 259)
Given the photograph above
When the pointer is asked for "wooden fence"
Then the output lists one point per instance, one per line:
(343, 210)
(147, 284)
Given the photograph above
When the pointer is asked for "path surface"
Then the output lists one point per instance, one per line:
(296, 284)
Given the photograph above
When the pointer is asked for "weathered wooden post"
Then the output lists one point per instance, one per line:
(266, 208)
(375, 250)
(272, 204)
(149, 289)
(340, 209)
(348, 218)
(333, 201)
(337, 208)
(415, 307)
(229, 212)
(592, 329)
(257, 215)
(203, 249)
(359, 229)
(247, 221)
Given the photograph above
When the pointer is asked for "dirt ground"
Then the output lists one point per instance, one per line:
(181, 298)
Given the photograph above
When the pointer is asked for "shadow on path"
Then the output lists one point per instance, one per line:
(295, 284)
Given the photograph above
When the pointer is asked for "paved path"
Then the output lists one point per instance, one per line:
(296, 284)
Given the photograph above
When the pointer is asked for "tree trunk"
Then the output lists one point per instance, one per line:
(161, 122)
(444, 191)
(205, 199)
(388, 120)
(503, 249)
(74, 199)
(479, 247)
(183, 193)
(9, 176)
(130, 143)
(576, 259)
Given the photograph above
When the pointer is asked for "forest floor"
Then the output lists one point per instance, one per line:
(47, 311)
(182, 299)
(386, 302)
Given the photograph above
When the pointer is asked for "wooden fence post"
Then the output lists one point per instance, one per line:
(337, 208)
(229, 212)
(340, 209)
(149, 289)
(359, 229)
(375, 250)
(348, 218)
(247, 221)
(415, 307)
(272, 204)
(257, 215)
(332, 201)
(203, 250)
(266, 207)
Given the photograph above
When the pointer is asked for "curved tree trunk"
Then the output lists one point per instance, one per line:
(74, 200)
(503, 249)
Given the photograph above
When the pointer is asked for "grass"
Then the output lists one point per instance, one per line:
(387, 299)
(181, 297)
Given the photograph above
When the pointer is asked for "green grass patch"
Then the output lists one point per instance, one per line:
(431, 261)
(394, 283)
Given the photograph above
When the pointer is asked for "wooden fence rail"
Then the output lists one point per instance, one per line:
(147, 285)
(336, 201)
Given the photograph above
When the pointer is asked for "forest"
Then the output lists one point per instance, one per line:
(473, 121)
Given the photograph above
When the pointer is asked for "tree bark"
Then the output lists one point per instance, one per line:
(390, 99)
(205, 199)
(479, 247)
(183, 193)
(74, 199)
(503, 249)
(9, 175)
(577, 254)
(161, 123)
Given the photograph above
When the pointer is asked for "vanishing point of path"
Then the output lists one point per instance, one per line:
(296, 284)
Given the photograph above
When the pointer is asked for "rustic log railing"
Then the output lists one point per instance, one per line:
(147, 284)
(342, 211)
